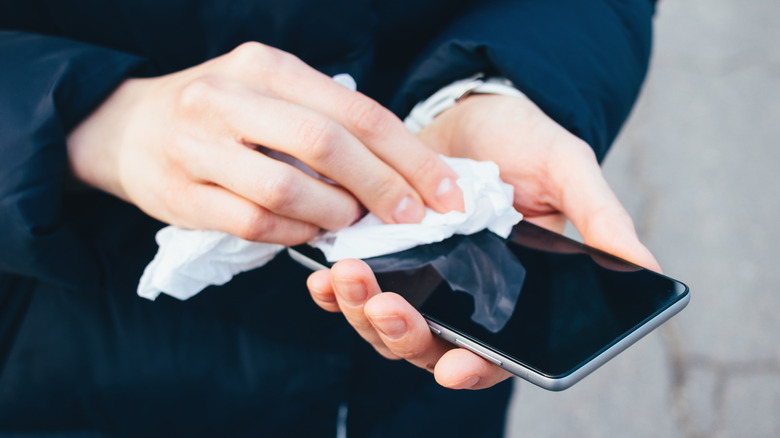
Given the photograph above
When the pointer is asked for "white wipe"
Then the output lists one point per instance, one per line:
(488, 204)
(188, 261)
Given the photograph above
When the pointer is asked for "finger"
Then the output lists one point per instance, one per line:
(321, 290)
(462, 369)
(211, 207)
(277, 186)
(292, 80)
(404, 330)
(609, 227)
(598, 215)
(354, 284)
(384, 134)
(387, 137)
(324, 146)
(552, 222)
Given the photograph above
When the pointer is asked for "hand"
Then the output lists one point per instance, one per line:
(395, 329)
(555, 174)
(183, 148)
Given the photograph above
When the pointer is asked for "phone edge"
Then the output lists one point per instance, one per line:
(553, 383)
(526, 373)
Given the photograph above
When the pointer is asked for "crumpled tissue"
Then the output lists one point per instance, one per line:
(189, 260)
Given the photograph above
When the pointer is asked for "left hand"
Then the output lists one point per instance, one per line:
(555, 176)
(395, 329)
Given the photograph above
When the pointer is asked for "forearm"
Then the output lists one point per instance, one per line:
(48, 84)
(582, 63)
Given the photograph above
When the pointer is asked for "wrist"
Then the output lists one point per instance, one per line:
(446, 137)
(93, 146)
(462, 130)
(425, 111)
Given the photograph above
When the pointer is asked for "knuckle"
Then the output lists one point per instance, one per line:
(388, 186)
(346, 216)
(250, 53)
(426, 166)
(254, 224)
(171, 200)
(199, 93)
(249, 46)
(345, 211)
(278, 193)
(366, 117)
(183, 153)
(304, 233)
(283, 62)
(258, 58)
(318, 139)
(174, 197)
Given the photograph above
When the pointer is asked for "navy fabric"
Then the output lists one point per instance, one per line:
(80, 353)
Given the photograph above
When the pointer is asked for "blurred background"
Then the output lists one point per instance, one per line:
(696, 166)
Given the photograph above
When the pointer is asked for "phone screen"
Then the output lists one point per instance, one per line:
(543, 300)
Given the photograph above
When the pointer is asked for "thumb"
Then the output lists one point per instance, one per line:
(591, 205)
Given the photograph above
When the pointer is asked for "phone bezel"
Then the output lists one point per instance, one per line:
(529, 373)
(559, 383)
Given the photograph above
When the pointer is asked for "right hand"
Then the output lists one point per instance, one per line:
(183, 148)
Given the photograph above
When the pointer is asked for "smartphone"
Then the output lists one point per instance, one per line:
(544, 307)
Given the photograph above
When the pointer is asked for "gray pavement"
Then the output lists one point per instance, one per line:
(696, 166)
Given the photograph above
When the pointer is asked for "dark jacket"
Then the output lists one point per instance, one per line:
(78, 349)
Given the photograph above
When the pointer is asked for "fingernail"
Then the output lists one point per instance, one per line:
(450, 195)
(353, 293)
(408, 211)
(393, 327)
(468, 383)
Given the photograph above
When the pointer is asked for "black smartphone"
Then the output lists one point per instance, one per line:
(544, 307)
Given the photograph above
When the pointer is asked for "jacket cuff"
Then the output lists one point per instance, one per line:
(48, 85)
(582, 63)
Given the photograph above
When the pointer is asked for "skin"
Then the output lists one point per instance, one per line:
(183, 148)
(555, 175)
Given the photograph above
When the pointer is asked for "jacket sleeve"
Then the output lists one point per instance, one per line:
(581, 62)
(47, 85)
